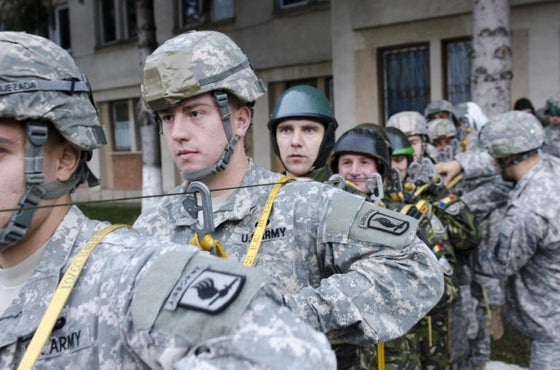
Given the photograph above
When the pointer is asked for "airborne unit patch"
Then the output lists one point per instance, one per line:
(384, 222)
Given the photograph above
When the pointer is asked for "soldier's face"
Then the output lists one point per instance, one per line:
(416, 142)
(194, 133)
(400, 163)
(299, 142)
(12, 160)
(356, 168)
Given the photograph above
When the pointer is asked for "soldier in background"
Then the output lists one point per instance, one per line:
(552, 130)
(337, 259)
(527, 249)
(302, 130)
(139, 302)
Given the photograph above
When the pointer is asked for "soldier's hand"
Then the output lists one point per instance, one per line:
(449, 169)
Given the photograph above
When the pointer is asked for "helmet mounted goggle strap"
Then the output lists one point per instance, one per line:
(220, 165)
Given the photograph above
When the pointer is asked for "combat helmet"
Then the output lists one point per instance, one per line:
(411, 123)
(552, 107)
(363, 141)
(41, 84)
(305, 102)
(441, 128)
(195, 63)
(511, 133)
(438, 106)
(399, 143)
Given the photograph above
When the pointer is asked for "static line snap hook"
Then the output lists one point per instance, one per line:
(375, 188)
(193, 208)
(337, 181)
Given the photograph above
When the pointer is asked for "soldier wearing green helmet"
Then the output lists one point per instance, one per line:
(526, 251)
(131, 302)
(301, 233)
(302, 129)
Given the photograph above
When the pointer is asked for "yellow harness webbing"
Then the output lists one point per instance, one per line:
(208, 243)
(454, 181)
(259, 230)
(381, 356)
(60, 297)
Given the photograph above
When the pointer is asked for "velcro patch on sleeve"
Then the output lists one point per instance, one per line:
(212, 291)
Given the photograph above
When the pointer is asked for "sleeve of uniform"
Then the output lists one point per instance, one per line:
(476, 163)
(382, 279)
(519, 234)
(195, 311)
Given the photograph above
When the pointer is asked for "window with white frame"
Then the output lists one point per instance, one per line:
(125, 135)
(62, 26)
(194, 12)
(117, 20)
(405, 79)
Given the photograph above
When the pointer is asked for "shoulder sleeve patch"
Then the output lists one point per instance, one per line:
(351, 217)
(212, 291)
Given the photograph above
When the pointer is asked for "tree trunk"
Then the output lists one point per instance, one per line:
(492, 60)
(151, 154)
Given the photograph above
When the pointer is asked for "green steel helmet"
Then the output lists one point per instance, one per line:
(40, 81)
(512, 133)
(438, 106)
(305, 102)
(195, 63)
(399, 143)
(411, 123)
(552, 107)
(441, 128)
(363, 141)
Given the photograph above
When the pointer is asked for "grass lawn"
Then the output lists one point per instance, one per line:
(125, 214)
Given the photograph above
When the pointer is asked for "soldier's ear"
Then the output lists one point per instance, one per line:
(68, 158)
(241, 120)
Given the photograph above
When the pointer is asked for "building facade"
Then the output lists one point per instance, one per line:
(370, 57)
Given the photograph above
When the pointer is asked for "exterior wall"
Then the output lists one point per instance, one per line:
(338, 39)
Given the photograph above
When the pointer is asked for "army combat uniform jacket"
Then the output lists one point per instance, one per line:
(527, 253)
(143, 304)
(349, 268)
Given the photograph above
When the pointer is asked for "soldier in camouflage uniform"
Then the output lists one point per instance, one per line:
(443, 145)
(356, 153)
(526, 252)
(552, 130)
(302, 128)
(139, 303)
(334, 255)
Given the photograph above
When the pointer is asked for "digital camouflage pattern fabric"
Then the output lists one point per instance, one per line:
(131, 309)
(332, 253)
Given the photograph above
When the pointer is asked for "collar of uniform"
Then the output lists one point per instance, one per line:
(536, 173)
(39, 290)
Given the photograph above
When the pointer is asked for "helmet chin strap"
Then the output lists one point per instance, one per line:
(20, 220)
(223, 161)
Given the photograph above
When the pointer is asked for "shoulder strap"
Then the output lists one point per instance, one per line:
(60, 297)
(259, 231)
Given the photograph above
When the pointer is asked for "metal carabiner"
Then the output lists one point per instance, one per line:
(376, 189)
(190, 204)
(337, 181)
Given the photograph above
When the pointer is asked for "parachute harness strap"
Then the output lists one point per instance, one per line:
(60, 297)
(255, 244)
(206, 228)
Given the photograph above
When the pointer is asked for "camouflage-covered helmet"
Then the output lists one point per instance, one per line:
(363, 141)
(552, 107)
(441, 128)
(40, 81)
(305, 102)
(438, 106)
(194, 63)
(511, 133)
(399, 143)
(411, 123)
